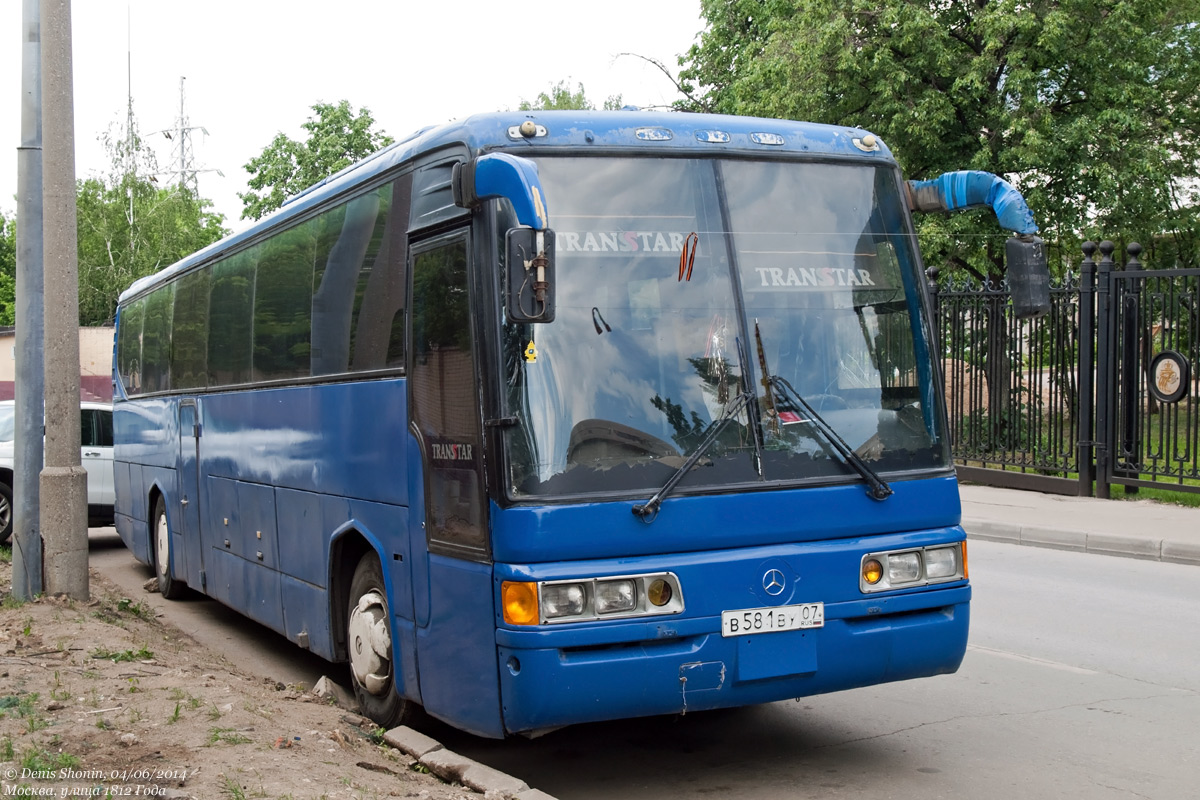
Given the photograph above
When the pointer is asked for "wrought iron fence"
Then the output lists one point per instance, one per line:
(1069, 398)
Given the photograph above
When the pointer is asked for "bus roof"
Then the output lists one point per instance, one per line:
(630, 131)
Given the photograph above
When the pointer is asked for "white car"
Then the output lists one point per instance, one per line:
(96, 440)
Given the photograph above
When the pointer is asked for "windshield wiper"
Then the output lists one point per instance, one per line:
(877, 488)
(649, 510)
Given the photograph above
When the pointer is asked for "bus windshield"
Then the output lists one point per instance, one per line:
(684, 283)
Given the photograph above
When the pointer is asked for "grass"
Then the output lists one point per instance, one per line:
(44, 762)
(1190, 499)
(117, 657)
(225, 736)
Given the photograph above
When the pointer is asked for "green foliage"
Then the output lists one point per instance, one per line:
(562, 98)
(1089, 106)
(130, 226)
(45, 762)
(117, 657)
(8, 269)
(336, 139)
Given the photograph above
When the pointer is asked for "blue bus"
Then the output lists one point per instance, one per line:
(545, 418)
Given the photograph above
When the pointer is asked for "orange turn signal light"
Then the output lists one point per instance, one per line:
(872, 571)
(520, 603)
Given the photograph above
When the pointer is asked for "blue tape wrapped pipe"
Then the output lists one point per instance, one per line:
(955, 191)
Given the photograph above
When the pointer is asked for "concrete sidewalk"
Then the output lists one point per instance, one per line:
(1131, 528)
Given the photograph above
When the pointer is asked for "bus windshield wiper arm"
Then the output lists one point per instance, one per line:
(877, 488)
(649, 510)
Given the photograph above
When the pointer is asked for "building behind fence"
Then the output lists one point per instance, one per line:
(1102, 390)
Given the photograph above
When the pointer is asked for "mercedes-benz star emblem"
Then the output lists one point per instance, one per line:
(773, 582)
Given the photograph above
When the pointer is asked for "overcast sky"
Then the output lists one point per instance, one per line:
(254, 68)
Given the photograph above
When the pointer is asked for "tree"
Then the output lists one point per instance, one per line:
(130, 227)
(561, 98)
(336, 139)
(8, 269)
(1089, 106)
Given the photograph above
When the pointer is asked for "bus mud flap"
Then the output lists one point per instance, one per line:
(700, 676)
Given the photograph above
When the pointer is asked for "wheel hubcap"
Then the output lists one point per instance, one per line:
(162, 546)
(371, 643)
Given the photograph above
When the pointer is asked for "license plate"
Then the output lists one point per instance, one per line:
(770, 620)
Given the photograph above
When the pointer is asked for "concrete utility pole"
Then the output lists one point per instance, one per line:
(64, 480)
(30, 384)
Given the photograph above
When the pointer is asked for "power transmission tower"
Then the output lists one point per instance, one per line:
(182, 155)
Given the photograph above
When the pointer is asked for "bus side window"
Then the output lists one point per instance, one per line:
(156, 340)
(230, 306)
(129, 347)
(283, 305)
(379, 333)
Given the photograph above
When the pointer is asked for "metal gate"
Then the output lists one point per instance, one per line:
(1102, 390)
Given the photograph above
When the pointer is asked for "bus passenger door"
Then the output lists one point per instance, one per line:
(187, 516)
(456, 642)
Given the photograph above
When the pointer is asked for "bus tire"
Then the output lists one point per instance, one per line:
(168, 587)
(6, 512)
(369, 642)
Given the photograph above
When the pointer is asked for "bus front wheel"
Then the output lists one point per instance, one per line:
(168, 587)
(369, 640)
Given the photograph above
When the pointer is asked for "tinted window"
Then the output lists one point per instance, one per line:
(129, 347)
(378, 336)
(95, 427)
(189, 342)
(156, 340)
(283, 304)
(232, 302)
(359, 265)
(104, 428)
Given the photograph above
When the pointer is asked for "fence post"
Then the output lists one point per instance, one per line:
(1104, 359)
(1087, 366)
(1130, 454)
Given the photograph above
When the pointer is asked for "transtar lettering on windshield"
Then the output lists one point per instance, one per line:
(828, 276)
(620, 241)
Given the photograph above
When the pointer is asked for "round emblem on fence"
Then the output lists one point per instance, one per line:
(1170, 375)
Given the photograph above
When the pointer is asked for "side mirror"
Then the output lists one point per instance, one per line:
(502, 175)
(528, 294)
(1028, 276)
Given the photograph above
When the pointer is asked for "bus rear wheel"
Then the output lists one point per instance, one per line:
(168, 587)
(369, 640)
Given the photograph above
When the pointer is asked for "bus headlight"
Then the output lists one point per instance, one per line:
(614, 596)
(941, 562)
(591, 599)
(562, 600)
(903, 569)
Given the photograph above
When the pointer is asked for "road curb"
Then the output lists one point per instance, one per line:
(1124, 545)
(452, 767)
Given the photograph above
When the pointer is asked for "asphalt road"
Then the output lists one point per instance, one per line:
(1080, 681)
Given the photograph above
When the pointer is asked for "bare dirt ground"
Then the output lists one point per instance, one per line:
(100, 699)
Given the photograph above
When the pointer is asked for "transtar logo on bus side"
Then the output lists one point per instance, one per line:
(451, 452)
(817, 277)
